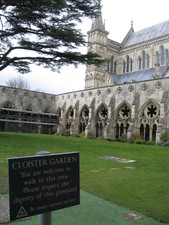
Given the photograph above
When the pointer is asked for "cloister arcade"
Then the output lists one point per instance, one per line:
(148, 120)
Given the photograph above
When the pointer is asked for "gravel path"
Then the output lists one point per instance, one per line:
(4, 210)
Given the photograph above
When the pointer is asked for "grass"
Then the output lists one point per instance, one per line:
(142, 186)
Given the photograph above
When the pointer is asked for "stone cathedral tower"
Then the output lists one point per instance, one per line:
(97, 42)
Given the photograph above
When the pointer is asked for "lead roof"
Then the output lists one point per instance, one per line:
(149, 33)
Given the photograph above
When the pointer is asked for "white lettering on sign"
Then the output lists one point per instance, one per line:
(29, 164)
(63, 160)
(43, 162)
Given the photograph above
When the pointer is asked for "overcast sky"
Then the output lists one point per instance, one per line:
(118, 16)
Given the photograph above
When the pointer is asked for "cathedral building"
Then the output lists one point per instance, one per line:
(127, 95)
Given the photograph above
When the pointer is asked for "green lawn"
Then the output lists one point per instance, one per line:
(142, 186)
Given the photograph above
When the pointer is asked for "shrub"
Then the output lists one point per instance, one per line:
(139, 140)
(52, 130)
(133, 137)
(165, 135)
(82, 135)
(123, 138)
(150, 143)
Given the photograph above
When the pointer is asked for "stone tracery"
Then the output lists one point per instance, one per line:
(122, 120)
(84, 118)
(101, 120)
(69, 118)
(149, 120)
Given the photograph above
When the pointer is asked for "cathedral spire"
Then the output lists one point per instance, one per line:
(98, 22)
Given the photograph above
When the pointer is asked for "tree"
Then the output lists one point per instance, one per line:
(44, 32)
(18, 82)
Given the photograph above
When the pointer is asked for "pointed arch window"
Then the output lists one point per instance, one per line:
(127, 63)
(111, 64)
(124, 66)
(162, 55)
(166, 55)
(149, 119)
(101, 120)
(148, 61)
(115, 67)
(144, 60)
(139, 63)
(131, 65)
(122, 120)
(108, 64)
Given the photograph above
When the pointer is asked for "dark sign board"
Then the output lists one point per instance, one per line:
(42, 184)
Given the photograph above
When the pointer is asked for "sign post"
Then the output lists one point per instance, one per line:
(43, 183)
(45, 218)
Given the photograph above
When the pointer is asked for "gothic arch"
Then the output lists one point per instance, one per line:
(47, 109)
(124, 66)
(83, 118)
(122, 119)
(139, 62)
(148, 119)
(121, 104)
(69, 117)
(28, 107)
(144, 59)
(128, 64)
(162, 54)
(101, 117)
(8, 104)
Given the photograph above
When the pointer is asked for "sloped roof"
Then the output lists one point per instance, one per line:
(149, 33)
(136, 76)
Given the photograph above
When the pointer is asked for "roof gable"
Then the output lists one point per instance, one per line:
(147, 34)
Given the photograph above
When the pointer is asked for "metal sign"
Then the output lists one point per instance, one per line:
(42, 184)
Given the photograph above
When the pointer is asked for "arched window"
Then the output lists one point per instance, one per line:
(149, 119)
(142, 131)
(115, 67)
(154, 132)
(131, 65)
(148, 61)
(147, 132)
(144, 59)
(127, 63)
(108, 64)
(162, 55)
(122, 120)
(111, 64)
(157, 58)
(101, 120)
(124, 66)
(166, 56)
(117, 130)
(139, 63)
(121, 129)
(84, 117)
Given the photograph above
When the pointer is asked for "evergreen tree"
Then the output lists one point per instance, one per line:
(44, 32)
